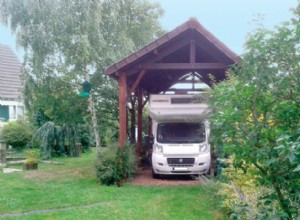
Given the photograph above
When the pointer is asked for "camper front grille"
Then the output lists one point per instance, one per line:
(181, 161)
(179, 165)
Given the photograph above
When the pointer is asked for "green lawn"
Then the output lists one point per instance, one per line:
(72, 189)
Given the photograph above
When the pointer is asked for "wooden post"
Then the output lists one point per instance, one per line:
(140, 122)
(132, 113)
(149, 126)
(122, 110)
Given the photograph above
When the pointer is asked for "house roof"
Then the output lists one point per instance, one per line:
(187, 48)
(10, 72)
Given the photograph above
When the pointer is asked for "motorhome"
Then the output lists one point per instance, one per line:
(180, 131)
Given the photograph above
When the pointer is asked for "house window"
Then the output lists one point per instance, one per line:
(4, 113)
(20, 111)
(14, 112)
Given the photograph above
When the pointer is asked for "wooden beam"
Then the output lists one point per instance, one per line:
(149, 126)
(184, 66)
(132, 111)
(122, 110)
(185, 90)
(189, 81)
(145, 101)
(169, 50)
(192, 51)
(136, 82)
(160, 55)
(215, 52)
(140, 123)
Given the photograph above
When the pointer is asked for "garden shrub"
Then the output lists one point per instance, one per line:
(115, 165)
(256, 116)
(108, 136)
(240, 191)
(105, 165)
(17, 133)
(125, 164)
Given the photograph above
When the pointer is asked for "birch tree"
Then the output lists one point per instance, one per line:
(69, 42)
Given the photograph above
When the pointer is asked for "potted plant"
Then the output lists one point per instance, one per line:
(31, 161)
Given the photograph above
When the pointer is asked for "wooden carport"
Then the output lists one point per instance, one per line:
(189, 48)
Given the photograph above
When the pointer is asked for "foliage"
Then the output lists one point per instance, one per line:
(257, 115)
(114, 165)
(32, 156)
(126, 161)
(85, 137)
(109, 136)
(67, 42)
(54, 140)
(17, 133)
(105, 165)
(240, 191)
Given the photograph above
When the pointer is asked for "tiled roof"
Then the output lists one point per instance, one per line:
(10, 71)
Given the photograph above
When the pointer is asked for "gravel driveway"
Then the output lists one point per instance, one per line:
(144, 178)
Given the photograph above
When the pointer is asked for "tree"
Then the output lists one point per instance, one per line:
(257, 114)
(68, 42)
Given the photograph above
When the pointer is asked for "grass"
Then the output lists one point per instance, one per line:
(72, 190)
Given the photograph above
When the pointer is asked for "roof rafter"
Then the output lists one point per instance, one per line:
(184, 66)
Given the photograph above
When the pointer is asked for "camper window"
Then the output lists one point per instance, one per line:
(181, 133)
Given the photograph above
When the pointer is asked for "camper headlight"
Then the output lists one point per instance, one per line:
(158, 148)
(203, 147)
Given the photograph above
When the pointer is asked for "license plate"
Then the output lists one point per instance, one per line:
(180, 168)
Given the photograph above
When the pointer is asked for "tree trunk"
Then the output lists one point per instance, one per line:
(95, 123)
(93, 116)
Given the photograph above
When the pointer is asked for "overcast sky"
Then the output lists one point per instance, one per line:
(228, 20)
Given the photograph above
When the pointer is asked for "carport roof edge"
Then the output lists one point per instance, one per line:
(192, 23)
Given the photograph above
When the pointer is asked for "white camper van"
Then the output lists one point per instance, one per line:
(180, 130)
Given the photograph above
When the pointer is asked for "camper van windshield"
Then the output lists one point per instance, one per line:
(181, 133)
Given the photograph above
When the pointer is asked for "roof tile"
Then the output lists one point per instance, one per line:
(10, 72)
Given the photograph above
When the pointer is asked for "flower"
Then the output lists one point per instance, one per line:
(229, 140)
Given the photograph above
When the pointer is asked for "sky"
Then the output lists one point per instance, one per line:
(228, 20)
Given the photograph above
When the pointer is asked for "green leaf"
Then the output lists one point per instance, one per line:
(279, 147)
(297, 169)
(268, 202)
(291, 157)
(270, 161)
